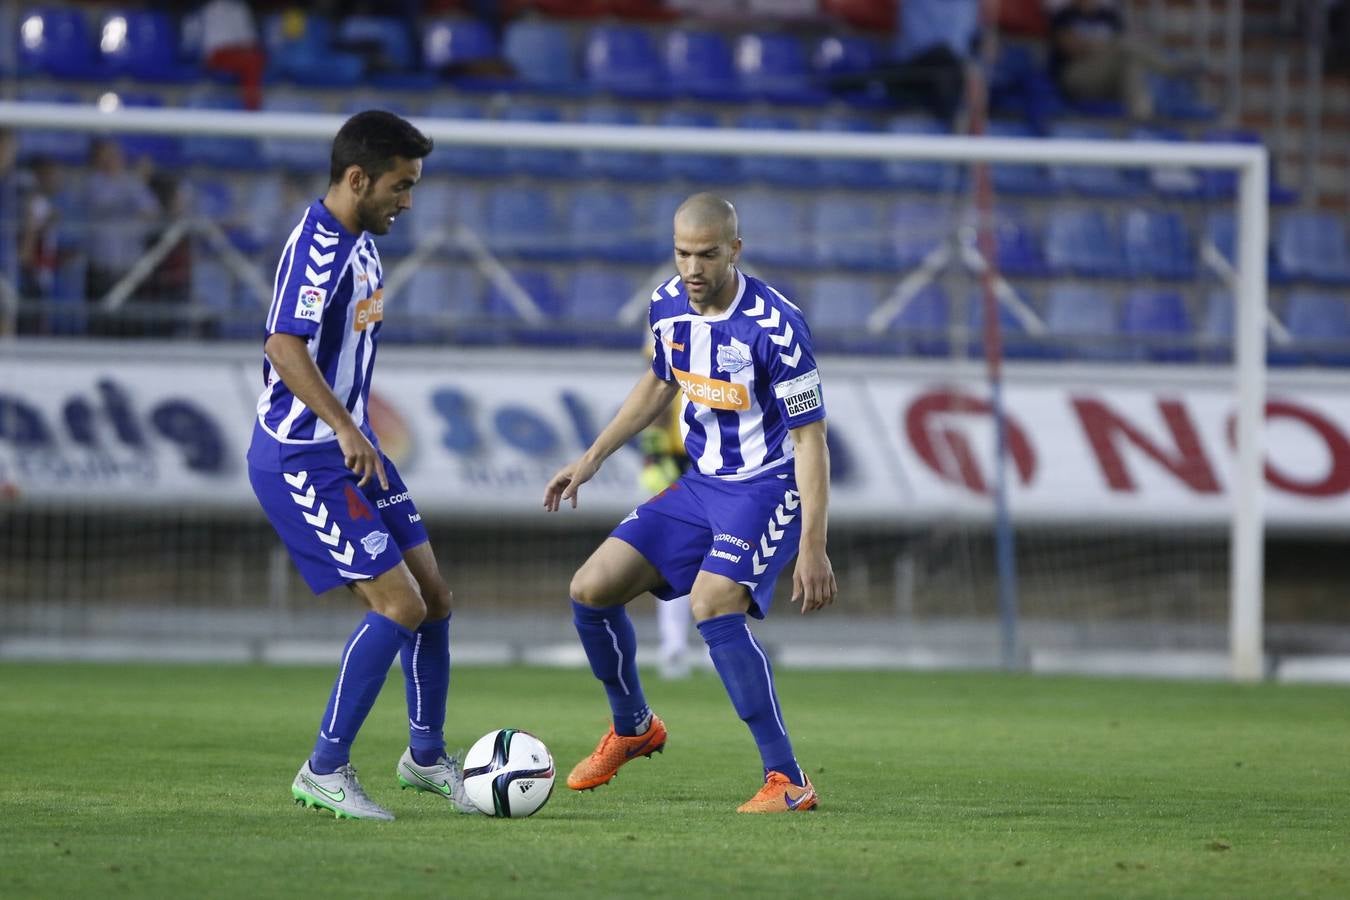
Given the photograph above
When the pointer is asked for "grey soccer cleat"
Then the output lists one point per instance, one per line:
(444, 778)
(340, 793)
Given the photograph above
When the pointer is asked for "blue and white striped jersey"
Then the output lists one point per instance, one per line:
(748, 376)
(329, 289)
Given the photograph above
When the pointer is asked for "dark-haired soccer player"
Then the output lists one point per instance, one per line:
(754, 429)
(337, 502)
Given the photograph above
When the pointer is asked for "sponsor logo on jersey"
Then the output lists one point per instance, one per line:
(309, 302)
(733, 357)
(804, 402)
(711, 392)
(732, 539)
(369, 311)
(672, 345)
(375, 542)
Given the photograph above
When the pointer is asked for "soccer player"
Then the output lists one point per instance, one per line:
(334, 498)
(754, 429)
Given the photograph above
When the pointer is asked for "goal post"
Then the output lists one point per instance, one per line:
(1249, 162)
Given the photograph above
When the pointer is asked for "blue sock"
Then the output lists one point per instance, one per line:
(745, 671)
(610, 643)
(366, 659)
(426, 675)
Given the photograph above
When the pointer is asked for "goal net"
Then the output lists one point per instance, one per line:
(1044, 359)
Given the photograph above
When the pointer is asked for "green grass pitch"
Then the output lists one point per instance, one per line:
(173, 781)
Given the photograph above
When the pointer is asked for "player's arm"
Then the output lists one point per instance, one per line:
(648, 399)
(813, 581)
(289, 355)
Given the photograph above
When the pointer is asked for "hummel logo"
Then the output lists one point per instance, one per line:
(336, 796)
(672, 345)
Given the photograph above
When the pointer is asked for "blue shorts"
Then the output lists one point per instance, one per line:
(335, 531)
(747, 531)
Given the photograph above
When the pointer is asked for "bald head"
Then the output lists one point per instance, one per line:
(708, 212)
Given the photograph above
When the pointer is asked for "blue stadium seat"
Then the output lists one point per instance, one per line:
(851, 233)
(836, 54)
(522, 221)
(591, 300)
(922, 326)
(538, 284)
(774, 67)
(918, 175)
(602, 224)
(441, 205)
(699, 65)
(392, 58)
(1221, 231)
(1016, 342)
(782, 170)
(452, 44)
(308, 58)
(1221, 184)
(1178, 98)
(860, 173)
(1082, 242)
(1159, 321)
(1081, 322)
(1018, 243)
(1009, 178)
(536, 161)
(144, 45)
(1158, 245)
(298, 154)
(1089, 181)
(918, 227)
(1312, 246)
(624, 60)
(1170, 182)
(1215, 333)
(621, 165)
(541, 53)
(837, 306)
(1319, 323)
(213, 151)
(440, 301)
(464, 159)
(69, 147)
(56, 41)
(165, 150)
(706, 168)
(775, 231)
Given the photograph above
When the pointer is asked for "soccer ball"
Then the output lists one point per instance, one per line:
(508, 773)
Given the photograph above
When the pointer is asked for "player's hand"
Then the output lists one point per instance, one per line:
(813, 583)
(567, 482)
(360, 455)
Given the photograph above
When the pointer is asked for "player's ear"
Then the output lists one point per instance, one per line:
(735, 251)
(356, 179)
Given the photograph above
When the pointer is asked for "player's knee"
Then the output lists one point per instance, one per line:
(405, 608)
(589, 590)
(439, 600)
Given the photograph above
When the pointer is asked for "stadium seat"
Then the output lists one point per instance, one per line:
(1081, 322)
(213, 151)
(1089, 181)
(1312, 246)
(705, 168)
(1158, 245)
(440, 301)
(624, 60)
(1159, 321)
(1009, 178)
(144, 45)
(919, 175)
(922, 325)
(1017, 243)
(774, 67)
(1016, 342)
(591, 300)
(541, 54)
(393, 59)
(69, 147)
(1170, 182)
(307, 57)
(775, 231)
(1082, 242)
(918, 228)
(513, 326)
(1221, 184)
(164, 150)
(837, 306)
(56, 41)
(860, 173)
(782, 170)
(464, 159)
(602, 224)
(1176, 97)
(298, 154)
(521, 221)
(851, 233)
(1319, 323)
(620, 165)
(545, 163)
(699, 65)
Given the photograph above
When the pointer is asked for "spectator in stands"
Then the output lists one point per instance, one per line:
(38, 239)
(120, 212)
(171, 281)
(230, 44)
(9, 202)
(1094, 59)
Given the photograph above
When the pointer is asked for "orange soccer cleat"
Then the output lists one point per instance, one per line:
(612, 752)
(780, 795)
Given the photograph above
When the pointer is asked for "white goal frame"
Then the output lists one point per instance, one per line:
(1250, 162)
